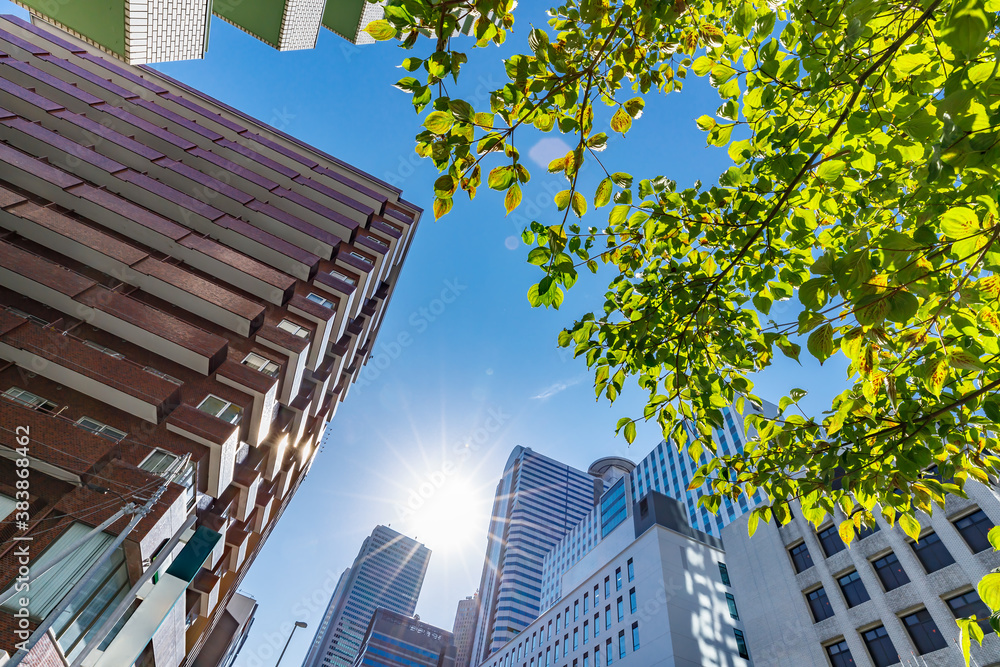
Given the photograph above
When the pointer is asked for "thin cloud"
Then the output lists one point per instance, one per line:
(558, 388)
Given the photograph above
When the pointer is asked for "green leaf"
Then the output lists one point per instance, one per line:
(380, 30)
(441, 207)
(562, 199)
(438, 122)
(634, 107)
(513, 198)
(966, 28)
(989, 590)
(579, 204)
(500, 178)
(910, 526)
(621, 121)
(959, 222)
(630, 432)
(820, 343)
(902, 307)
(846, 530)
(968, 630)
(830, 170)
(598, 142)
(622, 179)
(539, 256)
(705, 123)
(994, 537)
(445, 186)
(603, 195)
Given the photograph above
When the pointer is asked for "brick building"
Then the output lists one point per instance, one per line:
(186, 294)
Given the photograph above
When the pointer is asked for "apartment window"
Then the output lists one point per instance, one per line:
(31, 400)
(631, 600)
(565, 645)
(635, 636)
(576, 638)
(159, 461)
(586, 660)
(741, 644)
(890, 572)
(321, 300)
(586, 632)
(357, 255)
(106, 350)
(222, 409)
(608, 651)
(575, 662)
(830, 541)
(548, 656)
(621, 609)
(932, 553)
(262, 364)
(631, 570)
(293, 328)
(732, 606)
(557, 648)
(800, 557)
(853, 589)
(597, 595)
(576, 610)
(621, 643)
(819, 603)
(618, 579)
(924, 632)
(558, 616)
(840, 654)
(969, 604)
(343, 276)
(597, 655)
(586, 600)
(534, 640)
(880, 647)
(724, 573)
(607, 617)
(103, 430)
(974, 528)
(607, 587)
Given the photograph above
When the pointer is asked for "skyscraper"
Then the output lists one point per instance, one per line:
(538, 500)
(396, 640)
(464, 629)
(186, 297)
(388, 573)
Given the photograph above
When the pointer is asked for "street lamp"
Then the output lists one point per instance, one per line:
(298, 624)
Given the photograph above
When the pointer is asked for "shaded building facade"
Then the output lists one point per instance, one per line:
(464, 629)
(397, 640)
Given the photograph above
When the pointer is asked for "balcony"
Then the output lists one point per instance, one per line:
(220, 437)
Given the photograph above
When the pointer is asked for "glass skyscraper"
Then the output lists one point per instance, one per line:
(537, 502)
(388, 573)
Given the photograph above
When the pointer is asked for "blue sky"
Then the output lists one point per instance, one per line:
(462, 358)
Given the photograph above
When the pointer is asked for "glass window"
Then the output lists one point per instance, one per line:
(631, 600)
(548, 656)
(576, 610)
(565, 645)
(724, 573)
(558, 616)
(732, 606)
(830, 541)
(800, 557)
(741, 644)
(607, 587)
(618, 579)
(969, 604)
(853, 588)
(840, 654)
(932, 553)
(974, 529)
(262, 364)
(597, 622)
(621, 643)
(635, 636)
(597, 598)
(890, 572)
(557, 648)
(597, 655)
(819, 603)
(321, 300)
(586, 631)
(222, 409)
(576, 638)
(880, 647)
(158, 461)
(621, 609)
(608, 651)
(607, 617)
(924, 632)
(586, 600)
(631, 570)
(586, 660)
(343, 276)
(357, 255)
(294, 329)
(30, 400)
(103, 430)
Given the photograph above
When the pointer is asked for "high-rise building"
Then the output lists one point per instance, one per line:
(885, 600)
(230, 634)
(396, 640)
(186, 297)
(151, 31)
(387, 574)
(464, 629)
(538, 500)
(653, 592)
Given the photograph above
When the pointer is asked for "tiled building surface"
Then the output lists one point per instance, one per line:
(885, 600)
(184, 291)
(464, 629)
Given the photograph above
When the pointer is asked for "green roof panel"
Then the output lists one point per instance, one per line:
(102, 21)
(343, 17)
(260, 18)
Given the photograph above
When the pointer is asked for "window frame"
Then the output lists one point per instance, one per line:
(102, 430)
(888, 567)
(981, 535)
(263, 366)
(919, 549)
(812, 608)
(931, 638)
(795, 556)
(42, 404)
(741, 644)
(830, 540)
(878, 660)
(854, 585)
(321, 300)
(731, 601)
(971, 609)
(298, 328)
(724, 574)
(842, 650)
(218, 415)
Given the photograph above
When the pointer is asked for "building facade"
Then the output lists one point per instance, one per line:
(538, 500)
(654, 591)
(396, 640)
(230, 634)
(186, 297)
(464, 629)
(388, 574)
(885, 600)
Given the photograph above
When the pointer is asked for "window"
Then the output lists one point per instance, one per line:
(565, 645)
(819, 603)
(357, 255)
(741, 644)
(974, 529)
(597, 655)
(635, 636)
(262, 364)
(621, 610)
(631, 570)
(586, 632)
(106, 350)
(868, 531)
(586, 660)
(607, 587)
(103, 430)
(924, 632)
(294, 329)
(618, 579)
(830, 540)
(607, 617)
(586, 599)
(597, 598)
(621, 643)
(343, 276)
(880, 647)
(932, 553)
(840, 655)
(558, 616)
(224, 410)
(534, 639)
(607, 650)
(969, 604)
(31, 400)
(557, 648)
(890, 572)
(853, 589)
(158, 461)
(548, 656)
(732, 606)
(576, 638)
(631, 600)
(597, 622)
(800, 557)
(724, 573)
(321, 300)
(576, 610)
